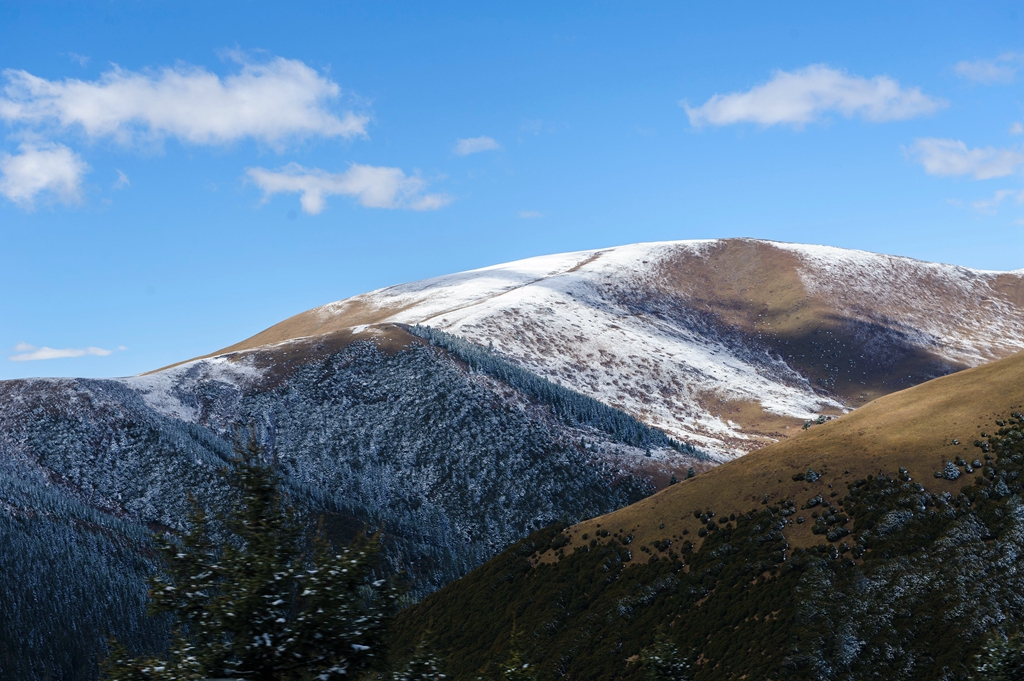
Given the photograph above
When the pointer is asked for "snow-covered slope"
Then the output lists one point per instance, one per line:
(724, 343)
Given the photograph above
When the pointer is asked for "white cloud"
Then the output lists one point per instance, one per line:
(530, 214)
(949, 157)
(30, 353)
(279, 100)
(1016, 128)
(122, 180)
(1002, 69)
(990, 205)
(81, 60)
(371, 186)
(803, 96)
(474, 145)
(50, 169)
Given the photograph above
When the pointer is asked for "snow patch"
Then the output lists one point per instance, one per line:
(161, 390)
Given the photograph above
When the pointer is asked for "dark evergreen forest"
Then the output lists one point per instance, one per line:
(451, 466)
(573, 408)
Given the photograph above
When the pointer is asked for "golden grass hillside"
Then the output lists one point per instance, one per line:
(915, 428)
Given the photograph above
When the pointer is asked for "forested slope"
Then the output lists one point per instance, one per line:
(450, 465)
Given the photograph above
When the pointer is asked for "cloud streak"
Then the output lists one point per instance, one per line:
(474, 145)
(30, 353)
(1002, 69)
(370, 186)
(990, 206)
(804, 96)
(41, 169)
(273, 102)
(951, 158)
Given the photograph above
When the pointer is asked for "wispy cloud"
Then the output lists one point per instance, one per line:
(1016, 128)
(990, 205)
(273, 102)
(1002, 69)
(948, 157)
(48, 169)
(806, 95)
(122, 181)
(371, 186)
(81, 60)
(474, 145)
(30, 353)
(530, 214)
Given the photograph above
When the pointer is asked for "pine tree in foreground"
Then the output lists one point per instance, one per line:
(1002, 659)
(516, 668)
(663, 662)
(424, 666)
(264, 605)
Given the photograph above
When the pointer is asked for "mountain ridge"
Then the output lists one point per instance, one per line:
(728, 343)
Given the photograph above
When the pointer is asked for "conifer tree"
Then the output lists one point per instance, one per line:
(663, 662)
(424, 665)
(1002, 659)
(263, 604)
(516, 668)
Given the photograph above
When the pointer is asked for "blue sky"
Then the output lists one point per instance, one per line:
(175, 177)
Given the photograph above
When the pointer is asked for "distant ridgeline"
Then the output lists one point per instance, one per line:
(905, 585)
(575, 409)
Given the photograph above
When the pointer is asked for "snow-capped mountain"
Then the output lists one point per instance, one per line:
(727, 344)
(457, 449)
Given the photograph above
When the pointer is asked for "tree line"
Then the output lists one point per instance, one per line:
(573, 408)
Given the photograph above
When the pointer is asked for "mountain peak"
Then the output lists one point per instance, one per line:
(726, 343)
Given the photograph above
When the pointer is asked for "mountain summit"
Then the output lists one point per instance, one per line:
(729, 344)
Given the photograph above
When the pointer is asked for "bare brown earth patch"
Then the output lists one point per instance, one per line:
(1011, 287)
(914, 428)
(752, 418)
(752, 288)
(583, 263)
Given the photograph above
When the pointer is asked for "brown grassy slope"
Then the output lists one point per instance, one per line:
(753, 289)
(913, 428)
(311, 325)
(280, 357)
